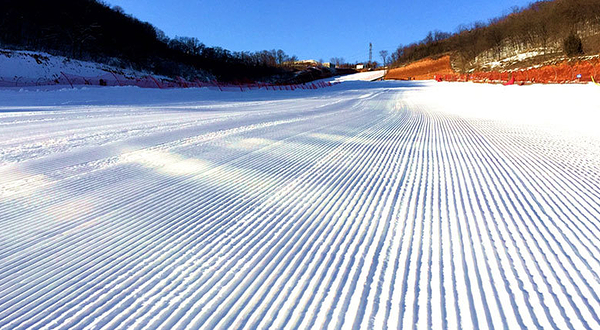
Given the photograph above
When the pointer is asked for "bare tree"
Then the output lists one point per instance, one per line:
(281, 57)
(338, 61)
(384, 55)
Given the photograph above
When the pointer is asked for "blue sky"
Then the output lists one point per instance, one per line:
(311, 29)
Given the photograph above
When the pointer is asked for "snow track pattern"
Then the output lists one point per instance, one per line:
(355, 209)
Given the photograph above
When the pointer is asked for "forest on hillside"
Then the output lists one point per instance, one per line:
(559, 27)
(94, 31)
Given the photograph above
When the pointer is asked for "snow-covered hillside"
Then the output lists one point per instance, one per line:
(362, 205)
(362, 76)
(21, 68)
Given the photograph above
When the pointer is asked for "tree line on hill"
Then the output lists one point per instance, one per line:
(551, 26)
(92, 30)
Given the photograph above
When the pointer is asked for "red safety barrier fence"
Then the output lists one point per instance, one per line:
(113, 79)
(562, 73)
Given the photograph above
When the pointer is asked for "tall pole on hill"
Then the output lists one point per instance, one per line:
(370, 55)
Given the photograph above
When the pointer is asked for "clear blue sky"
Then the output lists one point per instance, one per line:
(312, 29)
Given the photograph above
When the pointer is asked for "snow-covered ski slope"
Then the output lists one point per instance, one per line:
(364, 205)
(361, 76)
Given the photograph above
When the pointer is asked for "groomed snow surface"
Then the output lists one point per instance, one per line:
(363, 205)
